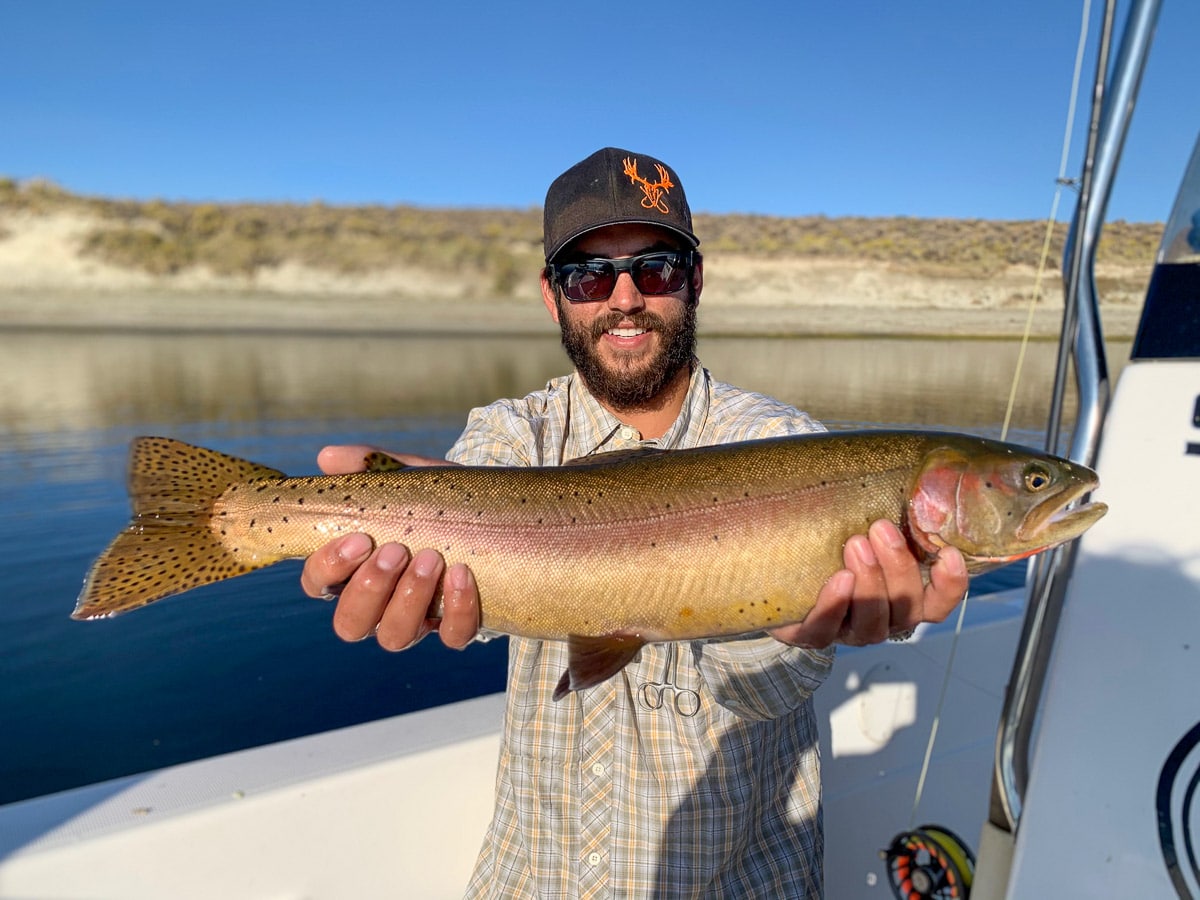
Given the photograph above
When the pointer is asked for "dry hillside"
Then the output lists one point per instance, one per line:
(762, 272)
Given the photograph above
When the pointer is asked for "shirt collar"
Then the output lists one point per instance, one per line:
(593, 429)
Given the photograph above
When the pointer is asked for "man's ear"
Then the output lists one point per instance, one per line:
(697, 278)
(548, 297)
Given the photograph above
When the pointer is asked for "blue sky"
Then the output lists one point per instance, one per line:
(918, 108)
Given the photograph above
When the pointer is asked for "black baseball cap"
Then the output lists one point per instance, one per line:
(614, 187)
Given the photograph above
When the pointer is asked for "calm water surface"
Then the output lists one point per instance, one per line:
(252, 661)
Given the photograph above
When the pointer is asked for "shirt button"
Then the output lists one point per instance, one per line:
(629, 434)
(593, 859)
(598, 768)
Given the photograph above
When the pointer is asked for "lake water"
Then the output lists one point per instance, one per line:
(252, 661)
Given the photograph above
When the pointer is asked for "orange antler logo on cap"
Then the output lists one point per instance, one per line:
(653, 191)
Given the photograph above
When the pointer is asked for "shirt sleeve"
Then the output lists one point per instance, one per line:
(760, 677)
(495, 435)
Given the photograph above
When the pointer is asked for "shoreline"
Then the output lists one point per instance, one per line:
(350, 314)
(47, 282)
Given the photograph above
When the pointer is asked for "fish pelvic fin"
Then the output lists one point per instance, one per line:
(591, 660)
(169, 546)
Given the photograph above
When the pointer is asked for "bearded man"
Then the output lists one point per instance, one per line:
(605, 792)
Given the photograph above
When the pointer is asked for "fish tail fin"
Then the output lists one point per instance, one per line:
(169, 546)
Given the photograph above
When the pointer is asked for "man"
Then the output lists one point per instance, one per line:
(709, 785)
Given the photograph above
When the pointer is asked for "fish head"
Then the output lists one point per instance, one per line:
(998, 503)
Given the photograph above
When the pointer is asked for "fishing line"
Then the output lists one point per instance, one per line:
(1060, 182)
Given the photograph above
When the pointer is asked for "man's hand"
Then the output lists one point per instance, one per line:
(879, 593)
(387, 591)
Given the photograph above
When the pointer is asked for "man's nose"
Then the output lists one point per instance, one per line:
(625, 296)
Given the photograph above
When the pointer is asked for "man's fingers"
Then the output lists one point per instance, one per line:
(904, 586)
(342, 459)
(365, 595)
(334, 563)
(460, 616)
(826, 619)
(948, 581)
(869, 612)
(403, 622)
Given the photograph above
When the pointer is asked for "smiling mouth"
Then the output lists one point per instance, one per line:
(626, 332)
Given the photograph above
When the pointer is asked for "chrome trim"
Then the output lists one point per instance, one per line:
(1113, 103)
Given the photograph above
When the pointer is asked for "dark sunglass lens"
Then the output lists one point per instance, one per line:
(587, 281)
(662, 273)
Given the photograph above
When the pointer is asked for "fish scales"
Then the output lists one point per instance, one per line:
(545, 543)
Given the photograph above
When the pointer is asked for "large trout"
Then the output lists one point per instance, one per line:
(612, 551)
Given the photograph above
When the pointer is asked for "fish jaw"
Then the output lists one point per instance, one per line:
(1052, 523)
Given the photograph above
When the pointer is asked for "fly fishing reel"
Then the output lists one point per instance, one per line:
(929, 863)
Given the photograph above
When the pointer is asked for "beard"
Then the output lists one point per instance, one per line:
(629, 384)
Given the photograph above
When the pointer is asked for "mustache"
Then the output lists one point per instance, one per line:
(642, 319)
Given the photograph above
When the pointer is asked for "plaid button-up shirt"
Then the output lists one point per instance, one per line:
(599, 796)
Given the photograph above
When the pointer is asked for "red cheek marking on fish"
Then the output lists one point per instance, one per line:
(932, 506)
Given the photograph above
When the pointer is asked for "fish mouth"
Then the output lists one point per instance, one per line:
(1055, 520)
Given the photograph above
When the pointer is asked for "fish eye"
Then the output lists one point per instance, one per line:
(1036, 478)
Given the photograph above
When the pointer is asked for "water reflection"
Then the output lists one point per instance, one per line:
(53, 381)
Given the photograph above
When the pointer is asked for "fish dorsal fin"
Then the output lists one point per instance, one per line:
(591, 660)
(168, 477)
(612, 456)
(381, 462)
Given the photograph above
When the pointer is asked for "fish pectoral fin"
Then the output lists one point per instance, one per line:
(591, 660)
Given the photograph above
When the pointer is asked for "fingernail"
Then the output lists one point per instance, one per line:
(954, 562)
(888, 533)
(355, 546)
(865, 553)
(426, 563)
(391, 557)
(457, 577)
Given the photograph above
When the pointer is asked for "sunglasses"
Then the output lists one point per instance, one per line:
(661, 272)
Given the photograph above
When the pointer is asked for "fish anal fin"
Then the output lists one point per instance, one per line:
(591, 660)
